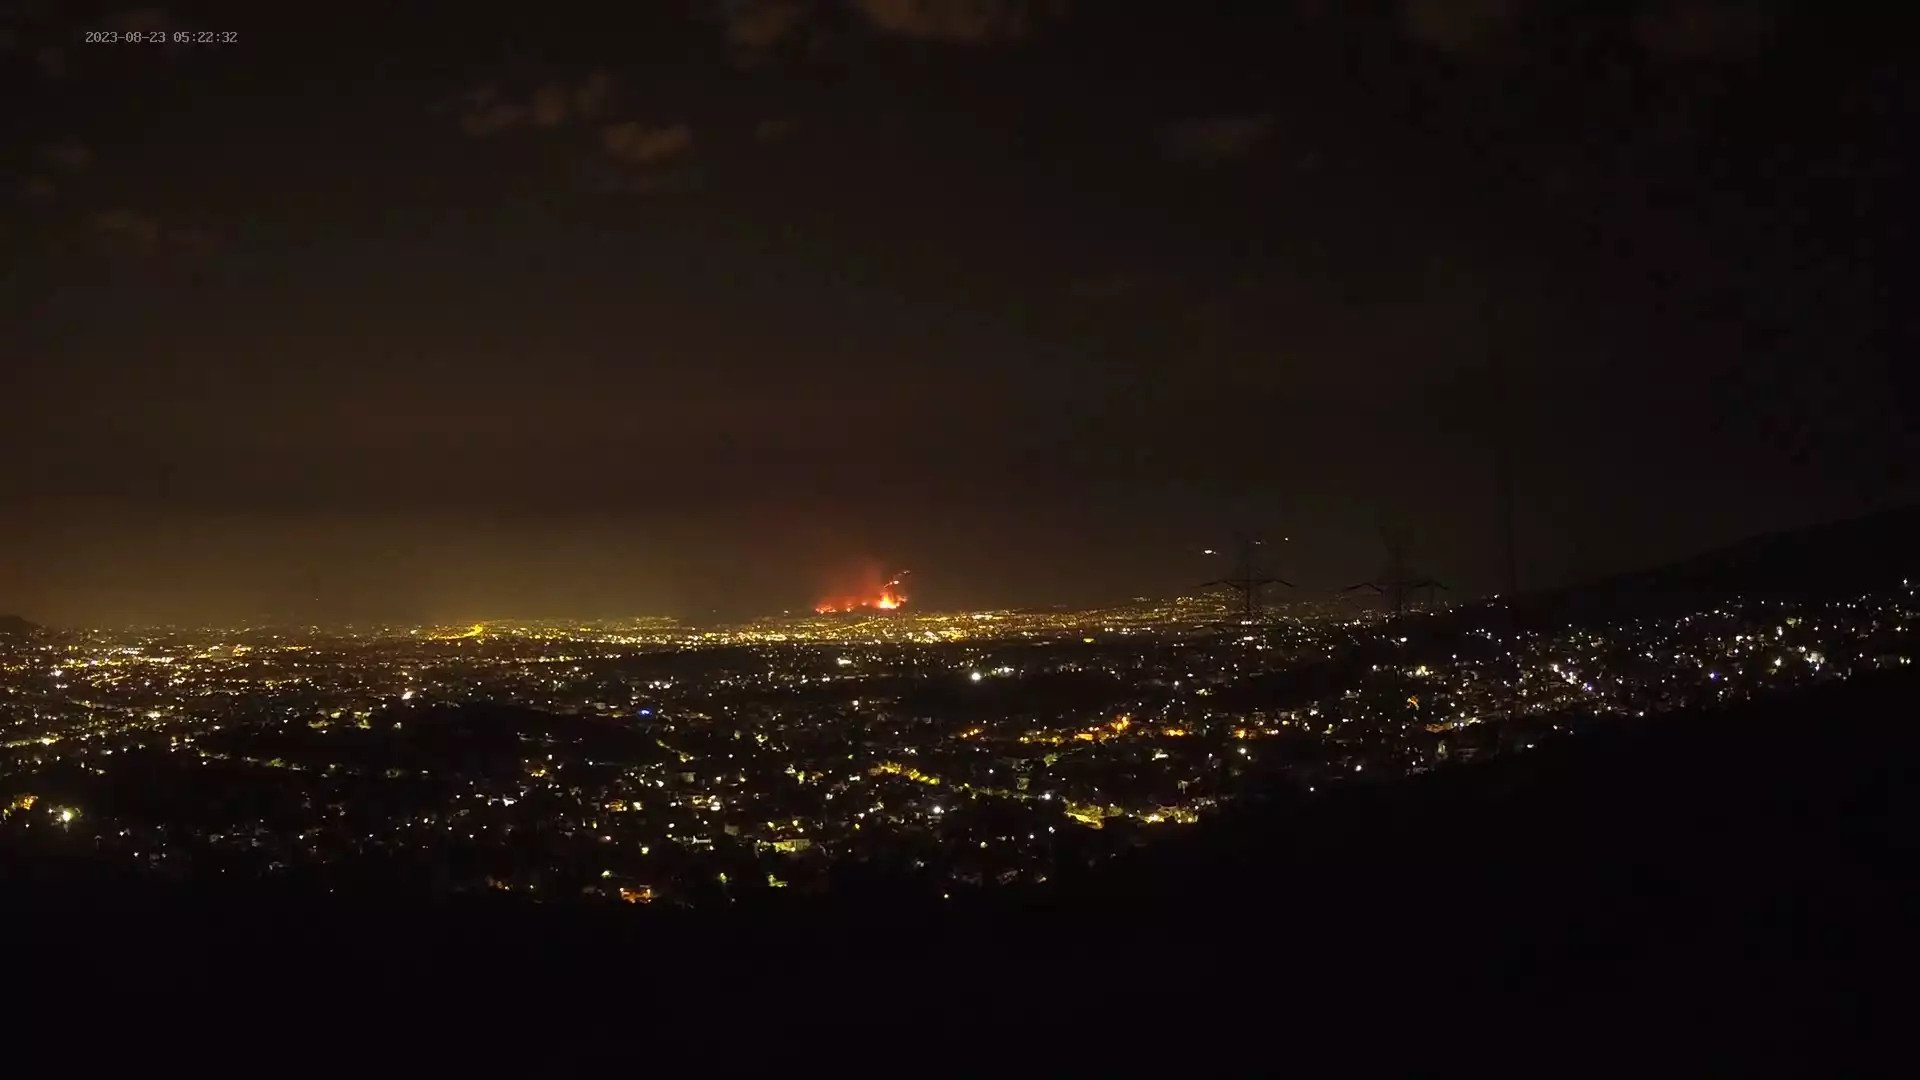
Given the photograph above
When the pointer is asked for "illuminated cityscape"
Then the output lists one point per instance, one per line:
(650, 761)
(1278, 527)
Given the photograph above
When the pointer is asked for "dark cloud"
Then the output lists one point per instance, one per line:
(590, 96)
(772, 130)
(131, 230)
(191, 240)
(486, 111)
(488, 115)
(1459, 26)
(756, 29)
(549, 108)
(1704, 30)
(756, 26)
(1213, 139)
(70, 154)
(611, 180)
(1672, 30)
(128, 225)
(1104, 286)
(138, 21)
(637, 144)
(966, 21)
(52, 61)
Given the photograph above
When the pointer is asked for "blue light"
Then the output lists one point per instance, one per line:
(646, 712)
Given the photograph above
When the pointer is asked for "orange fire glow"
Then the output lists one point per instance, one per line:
(887, 597)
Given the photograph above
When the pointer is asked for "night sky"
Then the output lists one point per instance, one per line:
(463, 314)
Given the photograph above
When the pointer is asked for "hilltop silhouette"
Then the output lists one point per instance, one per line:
(1827, 561)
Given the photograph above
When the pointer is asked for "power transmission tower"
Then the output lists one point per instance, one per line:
(1503, 462)
(1398, 583)
(1248, 576)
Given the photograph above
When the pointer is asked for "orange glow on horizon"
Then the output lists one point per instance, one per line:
(887, 597)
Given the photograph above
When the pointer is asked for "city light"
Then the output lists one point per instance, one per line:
(805, 739)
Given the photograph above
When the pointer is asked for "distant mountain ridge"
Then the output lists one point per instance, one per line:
(1840, 558)
(15, 626)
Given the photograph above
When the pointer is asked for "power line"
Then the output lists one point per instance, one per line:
(1249, 578)
(1398, 583)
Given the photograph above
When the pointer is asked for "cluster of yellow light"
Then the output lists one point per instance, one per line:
(1112, 729)
(462, 633)
(637, 895)
(894, 768)
(21, 803)
(1093, 815)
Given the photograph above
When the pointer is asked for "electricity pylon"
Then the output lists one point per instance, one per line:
(1398, 583)
(1248, 577)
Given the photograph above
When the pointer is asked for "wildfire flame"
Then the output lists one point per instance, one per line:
(887, 597)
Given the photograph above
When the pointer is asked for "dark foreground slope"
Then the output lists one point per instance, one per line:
(1730, 887)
